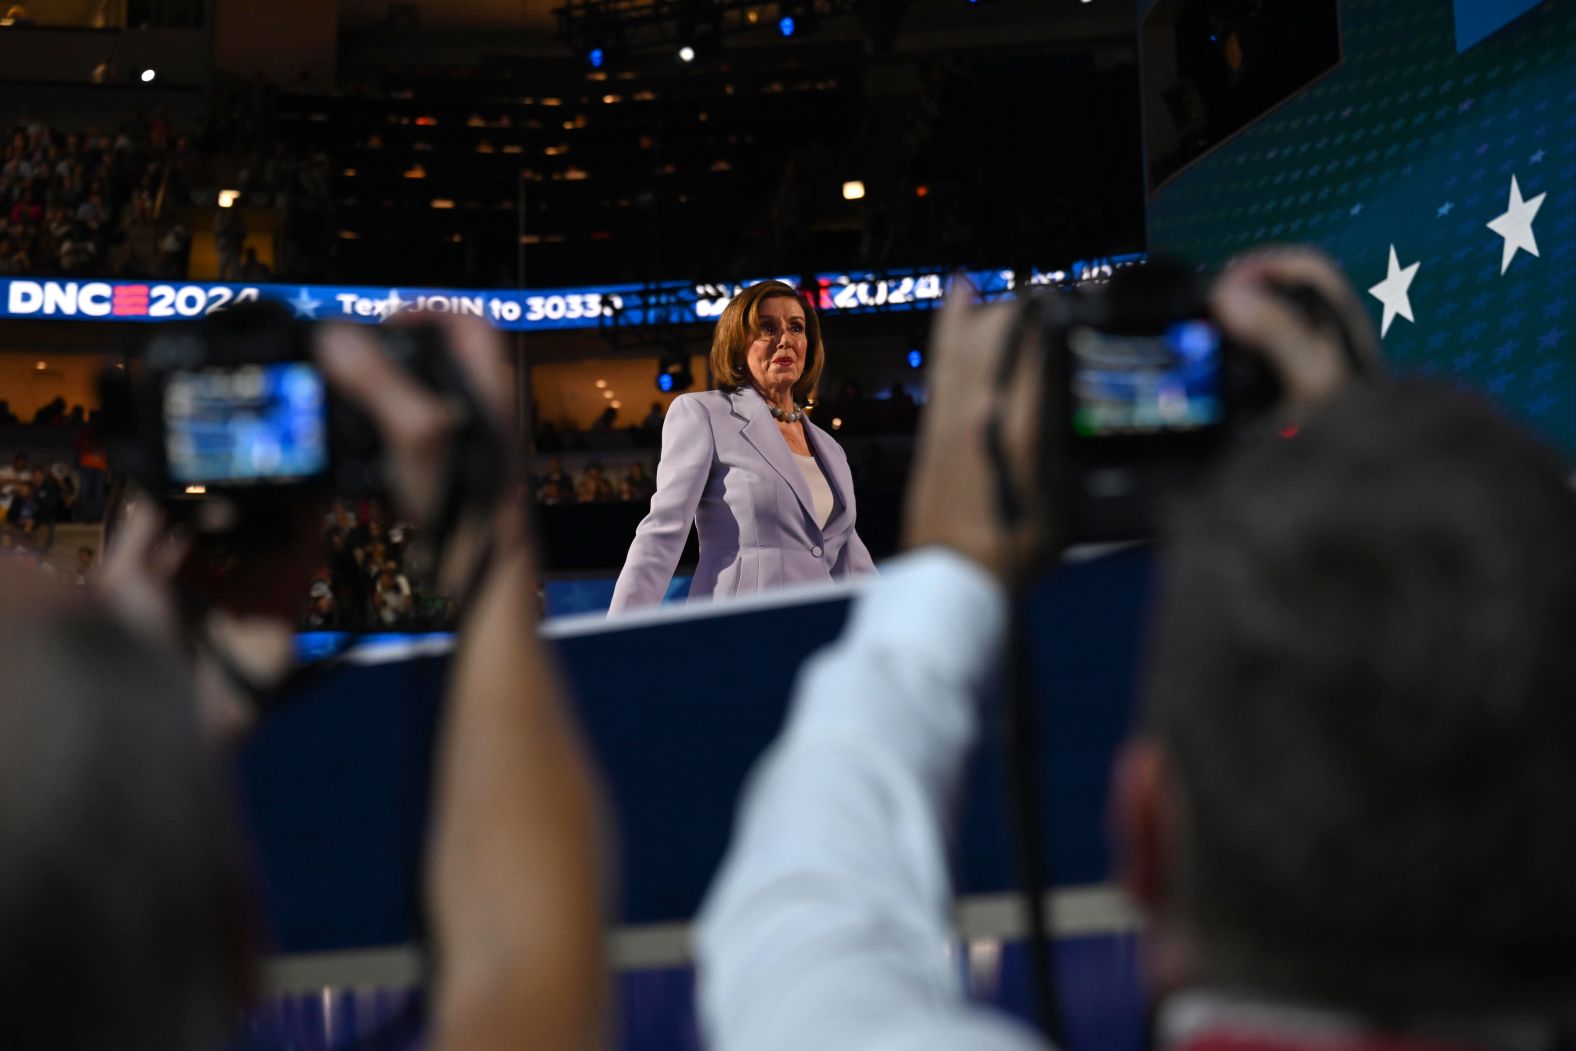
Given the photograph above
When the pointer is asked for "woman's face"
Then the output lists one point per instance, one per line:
(779, 345)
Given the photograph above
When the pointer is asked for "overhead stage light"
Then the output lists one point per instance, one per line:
(786, 25)
(673, 372)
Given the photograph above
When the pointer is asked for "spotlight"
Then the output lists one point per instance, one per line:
(596, 57)
(673, 372)
(916, 359)
(853, 190)
(148, 75)
(686, 54)
(799, 18)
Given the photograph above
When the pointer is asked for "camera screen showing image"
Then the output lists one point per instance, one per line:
(250, 424)
(1146, 384)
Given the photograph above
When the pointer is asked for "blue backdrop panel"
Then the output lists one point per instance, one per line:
(1477, 19)
(335, 787)
(335, 782)
(1413, 144)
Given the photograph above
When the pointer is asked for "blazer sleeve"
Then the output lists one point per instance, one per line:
(688, 449)
(855, 558)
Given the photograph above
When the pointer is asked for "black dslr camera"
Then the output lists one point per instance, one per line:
(234, 406)
(1149, 392)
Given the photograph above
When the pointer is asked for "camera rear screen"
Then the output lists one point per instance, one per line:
(248, 425)
(1150, 384)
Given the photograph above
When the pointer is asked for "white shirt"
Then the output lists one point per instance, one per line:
(820, 488)
(828, 927)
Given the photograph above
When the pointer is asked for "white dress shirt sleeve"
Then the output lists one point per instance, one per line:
(828, 927)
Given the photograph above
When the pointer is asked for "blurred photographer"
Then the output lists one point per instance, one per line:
(124, 917)
(1349, 807)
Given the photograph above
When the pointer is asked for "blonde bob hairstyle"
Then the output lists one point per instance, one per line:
(739, 326)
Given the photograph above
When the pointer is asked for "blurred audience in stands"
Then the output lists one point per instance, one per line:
(638, 484)
(362, 583)
(89, 203)
(848, 410)
(594, 486)
(34, 499)
(623, 483)
(102, 203)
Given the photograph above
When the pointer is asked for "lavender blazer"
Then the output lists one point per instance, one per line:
(726, 467)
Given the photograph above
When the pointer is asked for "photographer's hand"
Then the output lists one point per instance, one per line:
(139, 583)
(953, 489)
(1251, 303)
(515, 875)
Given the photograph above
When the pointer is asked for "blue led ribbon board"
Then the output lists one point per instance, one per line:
(528, 310)
(1479, 19)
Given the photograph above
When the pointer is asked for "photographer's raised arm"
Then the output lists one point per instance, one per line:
(516, 880)
(830, 924)
(515, 867)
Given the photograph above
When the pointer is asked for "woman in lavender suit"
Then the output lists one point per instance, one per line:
(769, 491)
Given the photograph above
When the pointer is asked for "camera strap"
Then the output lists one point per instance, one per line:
(1009, 504)
(1024, 788)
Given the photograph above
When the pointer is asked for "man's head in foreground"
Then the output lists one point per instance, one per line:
(1354, 784)
(120, 887)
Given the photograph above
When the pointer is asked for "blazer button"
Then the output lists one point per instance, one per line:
(816, 551)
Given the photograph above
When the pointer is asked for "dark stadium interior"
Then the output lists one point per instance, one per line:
(598, 188)
(477, 146)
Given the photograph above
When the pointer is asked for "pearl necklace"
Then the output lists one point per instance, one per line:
(786, 417)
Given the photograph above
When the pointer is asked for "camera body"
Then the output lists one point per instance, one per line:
(1149, 391)
(234, 405)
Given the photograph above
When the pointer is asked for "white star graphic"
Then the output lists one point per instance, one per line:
(305, 306)
(1393, 292)
(1515, 226)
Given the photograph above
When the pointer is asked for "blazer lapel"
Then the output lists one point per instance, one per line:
(760, 430)
(834, 464)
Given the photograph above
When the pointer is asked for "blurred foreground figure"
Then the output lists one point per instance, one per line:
(121, 919)
(1349, 810)
(124, 917)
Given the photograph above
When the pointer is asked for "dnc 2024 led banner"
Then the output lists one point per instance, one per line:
(528, 310)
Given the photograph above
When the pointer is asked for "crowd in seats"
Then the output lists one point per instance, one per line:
(628, 483)
(34, 498)
(108, 203)
(362, 583)
(95, 203)
(603, 435)
(848, 411)
(275, 171)
(43, 486)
